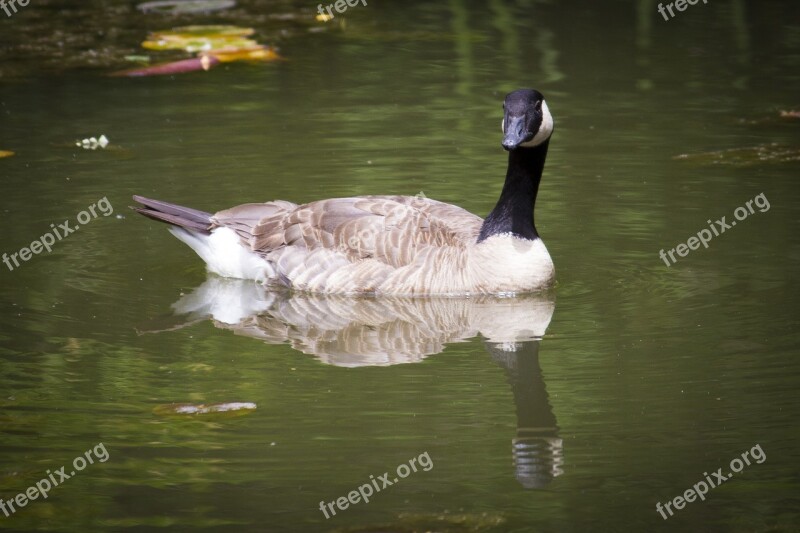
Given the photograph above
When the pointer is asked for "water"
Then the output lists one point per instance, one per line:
(647, 375)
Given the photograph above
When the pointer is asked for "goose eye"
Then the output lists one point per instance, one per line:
(538, 106)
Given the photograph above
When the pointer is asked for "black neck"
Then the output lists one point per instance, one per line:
(514, 210)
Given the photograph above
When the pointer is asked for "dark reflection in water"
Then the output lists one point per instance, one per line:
(358, 332)
(538, 450)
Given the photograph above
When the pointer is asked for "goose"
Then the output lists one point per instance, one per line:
(387, 245)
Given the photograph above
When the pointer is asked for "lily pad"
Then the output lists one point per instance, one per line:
(200, 38)
(185, 7)
(214, 43)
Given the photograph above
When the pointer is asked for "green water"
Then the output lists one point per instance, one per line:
(647, 376)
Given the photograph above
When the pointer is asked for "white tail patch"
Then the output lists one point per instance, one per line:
(225, 254)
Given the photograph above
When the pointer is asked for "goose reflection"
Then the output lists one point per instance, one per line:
(355, 332)
(537, 449)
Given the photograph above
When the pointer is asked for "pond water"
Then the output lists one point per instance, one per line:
(576, 410)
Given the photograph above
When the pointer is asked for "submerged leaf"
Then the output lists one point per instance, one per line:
(138, 59)
(230, 409)
(769, 153)
(440, 522)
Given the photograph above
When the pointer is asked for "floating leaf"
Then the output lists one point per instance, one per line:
(769, 153)
(182, 7)
(230, 409)
(200, 38)
(322, 17)
(215, 43)
(5, 153)
(176, 67)
(198, 44)
(255, 53)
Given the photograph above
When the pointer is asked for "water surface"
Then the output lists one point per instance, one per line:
(575, 411)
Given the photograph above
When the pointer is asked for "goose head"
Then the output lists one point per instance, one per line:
(527, 122)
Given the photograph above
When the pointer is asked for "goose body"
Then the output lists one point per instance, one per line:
(397, 245)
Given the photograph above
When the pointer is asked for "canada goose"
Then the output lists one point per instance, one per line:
(396, 245)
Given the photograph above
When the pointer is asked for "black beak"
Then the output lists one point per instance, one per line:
(515, 133)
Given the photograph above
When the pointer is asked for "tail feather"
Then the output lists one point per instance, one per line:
(176, 215)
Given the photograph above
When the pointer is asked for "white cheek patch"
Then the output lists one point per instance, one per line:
(545, 129)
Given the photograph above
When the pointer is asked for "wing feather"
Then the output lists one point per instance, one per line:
(391, 230)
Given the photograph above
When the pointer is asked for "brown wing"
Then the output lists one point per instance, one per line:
(391, 229)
